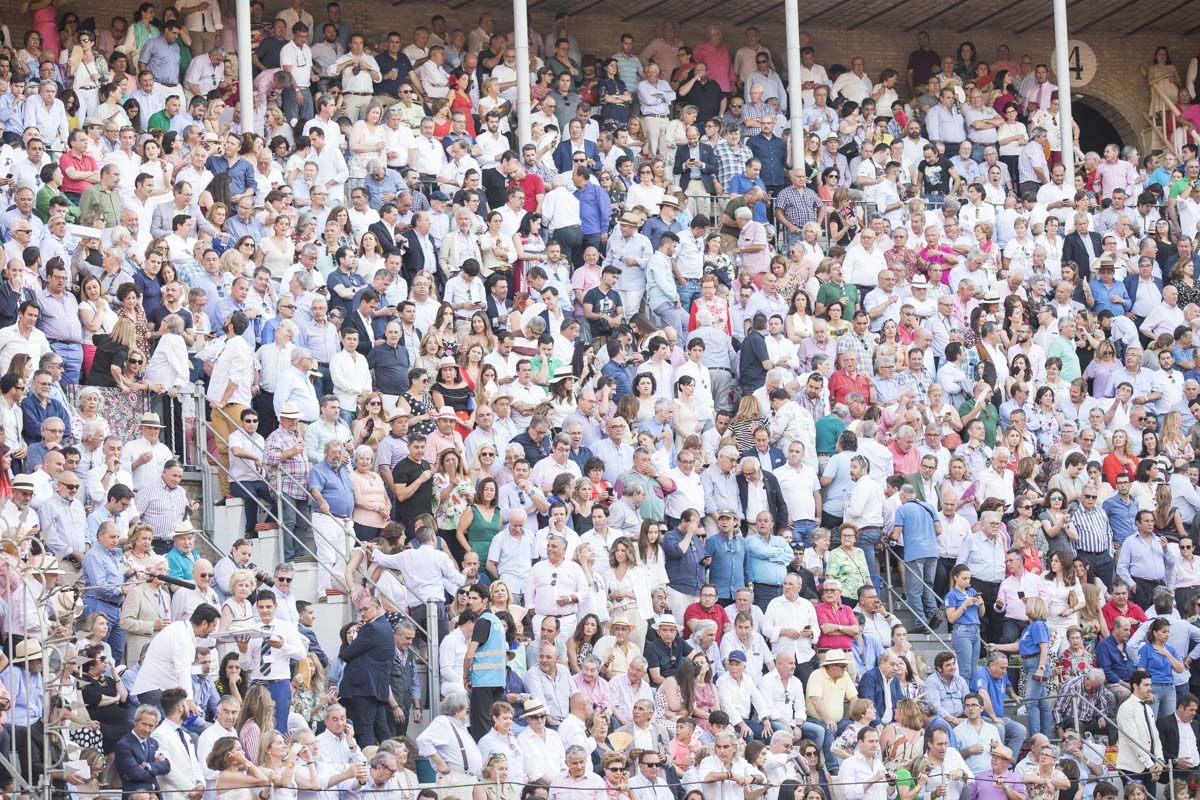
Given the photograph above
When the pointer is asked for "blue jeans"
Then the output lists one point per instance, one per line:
(247, 492)
(1012, 732)
(964, 639)
(1164, 698)
(281, 693)
(867, 539)
(116, 634)
(764, 594)
(296, 109)
(802, 531)
(1037, 702)
(918, 587)
(297, 525)
(72, 356)
(687, 295)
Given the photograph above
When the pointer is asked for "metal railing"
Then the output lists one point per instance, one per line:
(895, 593)
(430, 661)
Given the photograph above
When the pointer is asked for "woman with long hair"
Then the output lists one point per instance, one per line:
(628, 584)
(277, 759)
(371, 425)
(108, 362)
(256, 717)
(479, 334)
(451, 390)
(1064, 597)
(1162, 662)
(748, 418)
(231, 679)
(595, 599)
(1168, 522)
(583, 641)
(452, 493)
(650, 552)
(1174, 445)
(239, 778)
(1120, 459)
(479, 522)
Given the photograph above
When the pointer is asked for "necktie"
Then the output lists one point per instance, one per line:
(1149, 728)
(183, 739)
(264, 663)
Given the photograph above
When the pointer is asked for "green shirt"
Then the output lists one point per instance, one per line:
(96, 199)
(41, 204)
(988, 416)
(1064, 349)
(829, 428)
(830, 293)
(159, 121)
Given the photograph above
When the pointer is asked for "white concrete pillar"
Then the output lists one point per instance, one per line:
(521, 34)
(245, 67)
(1062, 65)
(791, 15)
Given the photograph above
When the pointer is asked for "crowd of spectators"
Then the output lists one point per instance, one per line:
(633, 414)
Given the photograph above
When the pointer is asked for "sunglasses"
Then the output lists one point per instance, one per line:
(136, 361)
(283, 580)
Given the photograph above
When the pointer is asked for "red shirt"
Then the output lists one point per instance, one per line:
(85, 164)
(841, 384)
(533, 186)
(716, 614)
(842, 616)
(1111, 612)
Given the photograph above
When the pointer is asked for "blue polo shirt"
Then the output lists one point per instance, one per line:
(727, 570)
(1158, 665)
(334, 487)
(1114, 660)
(684, 573)
(982, 681)
(1121, 517)
(920, 537)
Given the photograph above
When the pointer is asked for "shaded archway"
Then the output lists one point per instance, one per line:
(1099, 124)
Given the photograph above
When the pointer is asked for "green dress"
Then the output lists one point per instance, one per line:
(481, 532)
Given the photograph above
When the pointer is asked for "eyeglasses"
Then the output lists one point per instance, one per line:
(251, 420)
(615, 769)
(69, 486)
(810, 753)
(281, 579)
(204, 574)
(1090, 496)
(136, 361)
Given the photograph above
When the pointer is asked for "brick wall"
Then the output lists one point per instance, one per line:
(1119, 85)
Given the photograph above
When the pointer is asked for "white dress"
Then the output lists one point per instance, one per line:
(1056, 601)
(242, 618)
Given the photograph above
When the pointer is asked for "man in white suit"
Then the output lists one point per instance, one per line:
(185, 778)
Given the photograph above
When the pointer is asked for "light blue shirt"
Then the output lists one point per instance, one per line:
(1147, 556)
(295, 386)
(26, 690)
(163, 59)
(727, 570)
(767, 559)
(334, 486)
(103, 574)
(984, 557)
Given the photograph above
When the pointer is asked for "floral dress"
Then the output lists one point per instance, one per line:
(1045, 425)
(849, 569)
(447, 512)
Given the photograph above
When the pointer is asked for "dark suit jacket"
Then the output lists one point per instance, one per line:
(1074, 250)
(775, 502)
(131, 755)
(1131, 286)
(778, 459)
(1168, 733)
(414, 259)
(383, 232)
(368, 661)
(366, 334)
(564, 151)
(493, 313)
(708, 156)
(871, 688)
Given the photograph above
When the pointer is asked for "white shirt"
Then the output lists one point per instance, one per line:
(799, 487)
(185, 774)
(740, 699)
(300, 60)
(856, 771)
(544, 755)
(167, 660)
(234, 365)
(351, 377)
(723, 790)
(864, 507)
(274, 663)
(12, 342)
(147, 473)
(797, 614)
(688, 493)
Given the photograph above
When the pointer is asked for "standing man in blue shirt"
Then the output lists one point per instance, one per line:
(685, 562)
(595, 211)
(332, 505)
(918, 523)
(772, 153)
(727, 551)
(767, 558)
(161, 55)
(104, 577)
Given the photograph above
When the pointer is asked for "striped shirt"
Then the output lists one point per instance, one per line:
(294, 471)
(1095, 534)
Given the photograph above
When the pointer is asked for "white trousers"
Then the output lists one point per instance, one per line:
(330, 534)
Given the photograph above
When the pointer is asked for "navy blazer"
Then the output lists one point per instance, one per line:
(387, 239)
(1073, 249)
(1131, 286)
(778, 459)
(871, 688)
(708, 156)
(775, 502)
(131, 755)
(414, 258)
(368, 661)
(564, 151)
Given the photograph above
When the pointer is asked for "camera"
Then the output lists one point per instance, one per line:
(261, 575)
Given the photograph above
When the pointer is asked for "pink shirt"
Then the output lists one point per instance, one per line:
(826, 615)
(1120, 175)
(719, 63)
